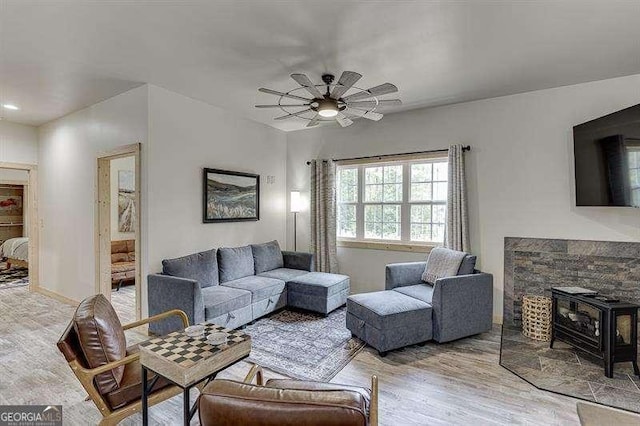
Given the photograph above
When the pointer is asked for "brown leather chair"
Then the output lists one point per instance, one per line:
(284, 402)
(94, 345)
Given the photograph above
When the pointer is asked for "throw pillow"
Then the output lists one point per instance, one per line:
(468, 265)
(442, 263)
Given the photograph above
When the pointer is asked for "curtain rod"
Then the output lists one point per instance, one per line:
(464, 148)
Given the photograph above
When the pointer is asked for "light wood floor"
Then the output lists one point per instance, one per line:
(124, 302)
(459, 383)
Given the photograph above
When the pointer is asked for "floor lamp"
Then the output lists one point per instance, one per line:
(296, 206)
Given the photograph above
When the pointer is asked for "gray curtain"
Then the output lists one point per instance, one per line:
(323, 215)
(457, 230)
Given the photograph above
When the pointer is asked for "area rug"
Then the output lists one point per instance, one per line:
(14, 277)
(303, 345)
(567, 371)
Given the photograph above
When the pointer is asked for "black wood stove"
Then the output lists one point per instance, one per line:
(600, 325)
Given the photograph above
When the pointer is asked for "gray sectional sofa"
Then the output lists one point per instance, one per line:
(234, 286)
(411, 311)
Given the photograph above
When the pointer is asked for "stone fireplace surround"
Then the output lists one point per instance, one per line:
(534, 265)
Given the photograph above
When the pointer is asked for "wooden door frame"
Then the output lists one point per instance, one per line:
(34, 229)
(103, 221)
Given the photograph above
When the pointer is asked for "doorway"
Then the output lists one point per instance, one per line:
(118, 231)
(19, 234)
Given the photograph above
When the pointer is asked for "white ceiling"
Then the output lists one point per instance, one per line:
(58, 56)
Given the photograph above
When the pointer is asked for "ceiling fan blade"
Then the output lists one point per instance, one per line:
(314, 121)
(286, 95)
(343, 120)
(370, 115)
(380, 90)
(347, 79)
(293, 114)
(304, 81)
(355, 111)
(373, 104)
(282, 105)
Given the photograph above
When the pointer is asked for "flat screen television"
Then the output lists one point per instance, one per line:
(607, 160)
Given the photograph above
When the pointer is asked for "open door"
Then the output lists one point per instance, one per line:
(118, 245)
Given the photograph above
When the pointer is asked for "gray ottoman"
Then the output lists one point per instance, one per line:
(388, 320)
(318, 292)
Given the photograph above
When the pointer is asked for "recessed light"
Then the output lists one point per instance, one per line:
(11, 107)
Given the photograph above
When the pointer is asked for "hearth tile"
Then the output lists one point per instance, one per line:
(519, 359)
(566, 385)
(617, 398)
(567, 355)
(620, 380)
(562, 368)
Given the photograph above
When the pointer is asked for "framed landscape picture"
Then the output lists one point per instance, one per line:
(230, 196)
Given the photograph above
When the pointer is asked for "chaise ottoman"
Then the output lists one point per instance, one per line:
(388, 320)
(318, 292)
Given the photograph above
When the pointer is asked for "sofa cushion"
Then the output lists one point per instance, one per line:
(468, 265)
(101, 338)
(260, 287)
(201, 267)
(119, 257)
(422, 292)
(284, 274)
(389, 309)
(319, 284)
(123, 267)
(267, 256)
(235, 262)
(220, 300)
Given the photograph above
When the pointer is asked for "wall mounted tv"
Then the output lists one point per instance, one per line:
(607, 160)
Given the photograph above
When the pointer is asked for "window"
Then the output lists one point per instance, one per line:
(398, 201)
(634, 174)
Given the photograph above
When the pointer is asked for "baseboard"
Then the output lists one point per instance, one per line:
(56, 296)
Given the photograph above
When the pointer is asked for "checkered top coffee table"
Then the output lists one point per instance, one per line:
(187, 360)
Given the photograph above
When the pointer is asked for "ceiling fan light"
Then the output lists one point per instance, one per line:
(327, 111)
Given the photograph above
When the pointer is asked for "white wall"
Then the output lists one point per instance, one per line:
(68, 152)
(18, 143)
(520, 169)
(186, 136)
(118, 164)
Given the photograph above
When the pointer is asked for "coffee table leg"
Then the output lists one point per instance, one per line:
(186, 407)
(145, 395)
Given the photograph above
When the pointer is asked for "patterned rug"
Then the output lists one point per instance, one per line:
(14, 277)
(303, 345)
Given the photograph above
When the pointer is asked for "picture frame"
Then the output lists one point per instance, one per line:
(230, 196)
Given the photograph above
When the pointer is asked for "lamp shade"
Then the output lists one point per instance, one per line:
(296, 202)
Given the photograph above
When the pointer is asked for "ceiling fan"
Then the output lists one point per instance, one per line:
(332, 104)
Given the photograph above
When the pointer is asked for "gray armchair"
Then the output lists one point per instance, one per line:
(462, 305)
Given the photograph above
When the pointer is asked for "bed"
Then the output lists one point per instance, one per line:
(16, 251)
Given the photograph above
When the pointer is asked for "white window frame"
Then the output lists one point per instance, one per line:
(405, 243)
